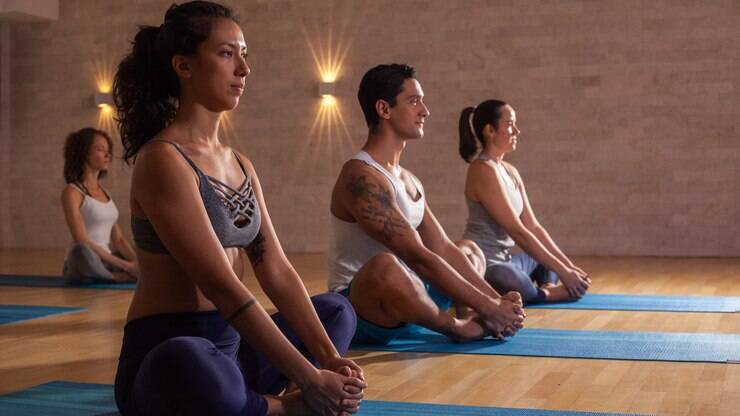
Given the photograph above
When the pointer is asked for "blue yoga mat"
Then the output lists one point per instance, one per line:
(56, 281)
(655, 303)
(60, 398)
(15, 313)
(646, 346)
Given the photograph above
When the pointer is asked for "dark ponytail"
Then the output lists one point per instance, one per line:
(145, 88)
(471, 130)
(468, 143)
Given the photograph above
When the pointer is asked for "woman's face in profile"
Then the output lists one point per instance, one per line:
(506, 134)
(219, 69)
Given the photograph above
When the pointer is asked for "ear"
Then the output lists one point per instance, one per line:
(182, 66)
(383, 109)
(489, 131)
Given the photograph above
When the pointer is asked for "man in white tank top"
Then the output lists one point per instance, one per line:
(388, 253)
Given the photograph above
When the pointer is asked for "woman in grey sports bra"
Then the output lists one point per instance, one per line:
(197, 341)
(100, 252)
(500, 216)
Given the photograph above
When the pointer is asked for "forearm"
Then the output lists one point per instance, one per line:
(529, 242)
(289, 295)
(124, 247)
(447, 280)
(549, 243)
(457, 259)
(259, 330)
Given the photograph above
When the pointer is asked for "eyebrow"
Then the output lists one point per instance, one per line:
(233, 45)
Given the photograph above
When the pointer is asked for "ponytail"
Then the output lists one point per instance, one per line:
(144, 91)
(145, 88)
(472, 122)
(468, 140)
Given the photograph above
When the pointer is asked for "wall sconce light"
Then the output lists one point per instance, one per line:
(326, 88)
(326, 92)
(103, 99)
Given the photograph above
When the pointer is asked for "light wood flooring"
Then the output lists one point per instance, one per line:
(84, 346)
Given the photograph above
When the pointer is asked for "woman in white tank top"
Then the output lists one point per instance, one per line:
(500, 215)
(100, 252)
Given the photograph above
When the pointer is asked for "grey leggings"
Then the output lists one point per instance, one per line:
(82, 266)
(522, 274)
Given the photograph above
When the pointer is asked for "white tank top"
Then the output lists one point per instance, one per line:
(99, 218)
(350, 247)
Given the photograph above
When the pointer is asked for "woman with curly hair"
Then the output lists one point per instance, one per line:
(100, 252)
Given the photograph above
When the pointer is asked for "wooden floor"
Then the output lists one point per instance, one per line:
(84, 346)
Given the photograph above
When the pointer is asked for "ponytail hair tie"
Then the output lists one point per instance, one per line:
(470, 123)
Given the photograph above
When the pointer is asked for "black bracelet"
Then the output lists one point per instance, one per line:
(241, 309)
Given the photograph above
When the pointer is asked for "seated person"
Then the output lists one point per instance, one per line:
(92, 215)
(197, 341)
(388, 253)
(500, 213)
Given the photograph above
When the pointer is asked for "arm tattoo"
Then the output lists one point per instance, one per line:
(377, 206)
(256, 250)
(241, 309)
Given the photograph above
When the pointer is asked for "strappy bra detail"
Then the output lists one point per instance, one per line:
(234, 214)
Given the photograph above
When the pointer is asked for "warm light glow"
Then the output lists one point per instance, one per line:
(329, 76)
(328, 143)
(106, 121)
(328, 100)
(327, 50)
(103, 72)
(329, 31)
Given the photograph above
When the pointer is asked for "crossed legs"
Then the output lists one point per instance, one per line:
(387, 294)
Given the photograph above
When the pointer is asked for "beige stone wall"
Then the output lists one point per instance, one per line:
(629, 111)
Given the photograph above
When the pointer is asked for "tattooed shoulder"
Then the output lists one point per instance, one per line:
(376, 206)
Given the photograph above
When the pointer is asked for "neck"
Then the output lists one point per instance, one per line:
(196, 124)
(385, 147)
(493, 154)
(90, 178)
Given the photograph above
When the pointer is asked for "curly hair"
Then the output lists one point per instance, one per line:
(77, 150)
(145, 87)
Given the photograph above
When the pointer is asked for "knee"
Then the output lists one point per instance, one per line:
(175, 355)
(192, 375)
(474, 254)
(389, 275)
(335, 309)
(504, 278)
(338, 318)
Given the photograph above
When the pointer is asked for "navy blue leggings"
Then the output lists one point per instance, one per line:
(523, 274)
(197, 364)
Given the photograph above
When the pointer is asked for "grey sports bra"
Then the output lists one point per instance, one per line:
(234, 214)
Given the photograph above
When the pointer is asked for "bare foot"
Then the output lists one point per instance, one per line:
(556, 293)
(289, 404)
(468, 329)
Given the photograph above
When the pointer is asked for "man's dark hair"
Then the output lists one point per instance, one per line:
(384, 82)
